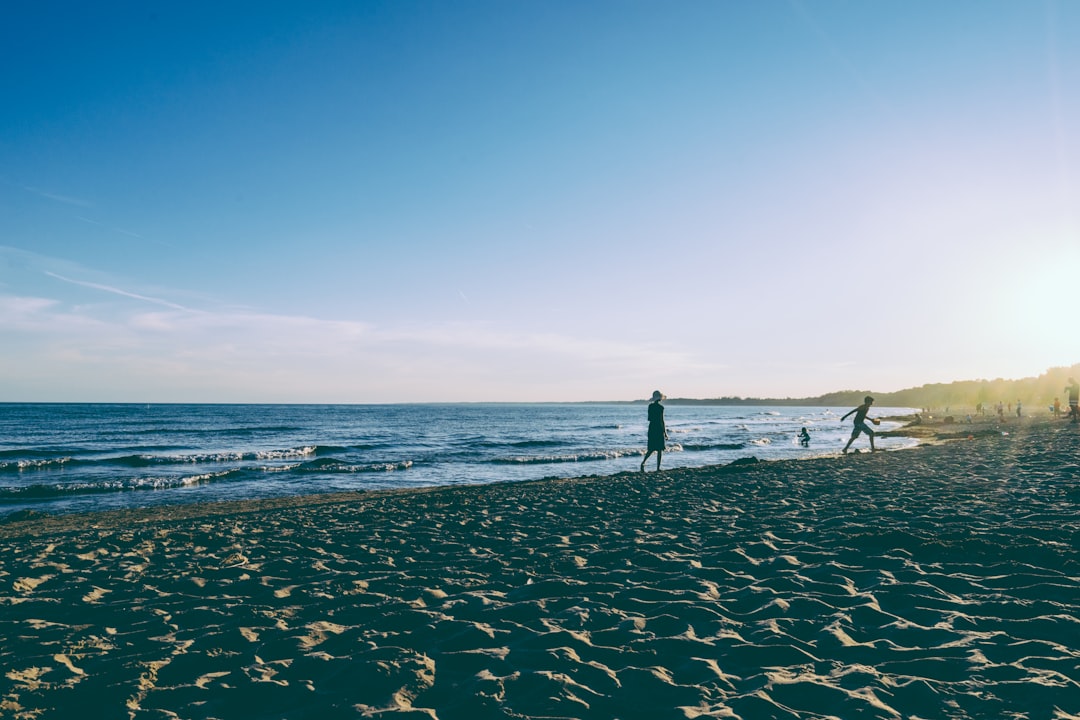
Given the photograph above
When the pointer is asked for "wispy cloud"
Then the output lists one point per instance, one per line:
(118, 291)
(178, 353)
(45, 317)
(110, 228)
(154, 347)
(66, 199)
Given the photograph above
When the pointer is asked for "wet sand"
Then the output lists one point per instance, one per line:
(939, 582)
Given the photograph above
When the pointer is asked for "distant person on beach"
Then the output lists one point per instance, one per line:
(860, 423)
(657, 430)
(1074, 400)
(1019, 409)
(1001, 411)
(804, 438)
(1057, 408)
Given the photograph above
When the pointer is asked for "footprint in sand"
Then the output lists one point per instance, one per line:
(28, 585)
(28, 679)
(285, 591)
(66, 662)
(95, 595)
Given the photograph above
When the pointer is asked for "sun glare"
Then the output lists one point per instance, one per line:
(1032, 320)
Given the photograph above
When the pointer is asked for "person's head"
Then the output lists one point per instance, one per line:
(657, 396)
(868, 400)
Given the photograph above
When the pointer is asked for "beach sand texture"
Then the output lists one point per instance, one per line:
(939, 582)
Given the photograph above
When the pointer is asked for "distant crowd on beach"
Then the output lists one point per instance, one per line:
(1005, 410)
(861, 424)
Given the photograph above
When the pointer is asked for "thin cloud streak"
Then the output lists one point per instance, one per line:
(122, 293)
(65, 199)
(121, 231)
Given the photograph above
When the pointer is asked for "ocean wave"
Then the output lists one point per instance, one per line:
(713, 446)
(42, 453)
(286, 454)
(211, 431)
(143, 460)
(45, 491)
(503, 444)
(570, 457)
(529, 444)
(333, 465)
(584, 456)
(34, 464)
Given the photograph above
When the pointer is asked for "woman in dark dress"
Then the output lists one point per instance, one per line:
(657, 430)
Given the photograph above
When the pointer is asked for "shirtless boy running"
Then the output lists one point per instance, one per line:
(860, 423)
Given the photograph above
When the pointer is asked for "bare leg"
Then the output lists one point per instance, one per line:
(659, 454)
(848, 444)
(872, 442)
(646, 459)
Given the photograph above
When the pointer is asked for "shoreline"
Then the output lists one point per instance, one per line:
(931, 431)
(237, 455)
(940, 581)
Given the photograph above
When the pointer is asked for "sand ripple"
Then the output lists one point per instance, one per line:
(942, 582)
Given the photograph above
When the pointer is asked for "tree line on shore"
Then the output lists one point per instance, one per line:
(1032, 391)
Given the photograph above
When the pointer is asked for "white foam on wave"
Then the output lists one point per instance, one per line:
(35, 464)
(285, 454)
(278, 468)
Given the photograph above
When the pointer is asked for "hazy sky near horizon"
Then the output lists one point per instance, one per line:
(481, 201)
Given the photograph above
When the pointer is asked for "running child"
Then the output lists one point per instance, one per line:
(860, 423)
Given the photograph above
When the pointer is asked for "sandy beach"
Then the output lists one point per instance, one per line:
(938, 582)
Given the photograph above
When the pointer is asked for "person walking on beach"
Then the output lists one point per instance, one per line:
(1074, 400)
(860, 423)
(657, 430)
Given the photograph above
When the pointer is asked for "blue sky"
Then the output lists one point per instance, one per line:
(419, 201)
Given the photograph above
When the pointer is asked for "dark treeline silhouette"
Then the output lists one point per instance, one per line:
(1035, 392)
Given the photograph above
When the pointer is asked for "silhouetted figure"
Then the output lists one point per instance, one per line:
(804, 438)
(1074, 400)
(860, 423)
(657, 430)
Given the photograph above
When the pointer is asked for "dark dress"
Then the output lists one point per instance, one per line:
(656, 428)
